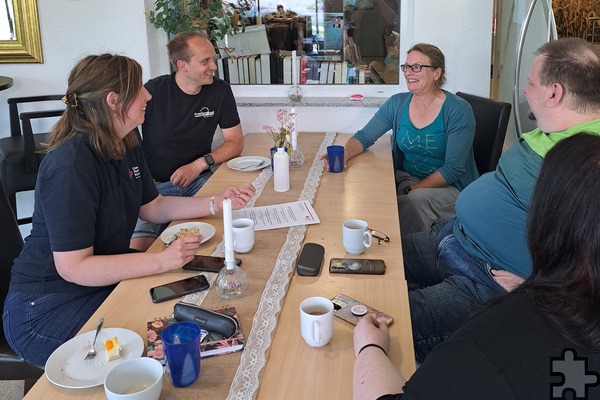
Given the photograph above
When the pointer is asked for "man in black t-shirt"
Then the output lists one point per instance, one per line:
(186, 109)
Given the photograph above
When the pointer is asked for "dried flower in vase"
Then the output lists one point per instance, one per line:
(282, 135)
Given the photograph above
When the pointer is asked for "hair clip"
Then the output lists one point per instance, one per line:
(70, 99)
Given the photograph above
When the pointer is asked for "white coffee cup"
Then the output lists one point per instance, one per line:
(135, 379)
(243, 235)
(316, 321)
(356, 236)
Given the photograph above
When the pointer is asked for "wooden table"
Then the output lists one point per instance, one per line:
(364, 190)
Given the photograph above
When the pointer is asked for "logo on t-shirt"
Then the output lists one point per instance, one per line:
(204, 113)
(134, 171)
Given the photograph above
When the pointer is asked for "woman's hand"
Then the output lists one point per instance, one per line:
(239, 196)
(326, 162)
(374, 373)
(371, 331)
(180, 251)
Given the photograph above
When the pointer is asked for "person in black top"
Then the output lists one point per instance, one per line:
(186, 109)
(92, 185)
(518, 346)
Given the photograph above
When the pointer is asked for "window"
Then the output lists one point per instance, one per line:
(336, 41)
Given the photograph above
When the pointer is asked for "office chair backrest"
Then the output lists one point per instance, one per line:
(33, 155)
(13, 109)
(20, 153)
(491, 120)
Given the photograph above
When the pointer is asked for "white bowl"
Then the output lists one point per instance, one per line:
(136, 379)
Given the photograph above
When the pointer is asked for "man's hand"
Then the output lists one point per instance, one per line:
(507, 280)
(185, 175)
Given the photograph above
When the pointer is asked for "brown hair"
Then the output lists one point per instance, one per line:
(436, 59)
(178, 48)
(89, 83)
(575, 64)
(564, 239)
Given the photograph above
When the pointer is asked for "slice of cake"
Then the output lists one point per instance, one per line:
(187, 232)
(113, 349)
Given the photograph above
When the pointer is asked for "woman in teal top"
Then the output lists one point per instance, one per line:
(432, 141)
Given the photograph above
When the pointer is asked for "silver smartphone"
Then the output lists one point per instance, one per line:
(356, 266)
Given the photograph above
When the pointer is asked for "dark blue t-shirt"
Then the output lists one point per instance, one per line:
(81, 200)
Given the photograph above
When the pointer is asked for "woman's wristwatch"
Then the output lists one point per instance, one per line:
(406, 190)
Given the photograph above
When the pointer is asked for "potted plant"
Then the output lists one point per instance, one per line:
(216, 17)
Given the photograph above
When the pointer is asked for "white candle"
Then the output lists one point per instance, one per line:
(228, 232)
(294, 72)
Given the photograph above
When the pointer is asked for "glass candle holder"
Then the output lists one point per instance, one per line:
(296, 158)
(295, 93)
(231, 282)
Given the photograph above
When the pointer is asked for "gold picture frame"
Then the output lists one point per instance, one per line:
(27, 48)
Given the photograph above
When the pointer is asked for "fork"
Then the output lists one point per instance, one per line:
(260, 164)
(92, 352)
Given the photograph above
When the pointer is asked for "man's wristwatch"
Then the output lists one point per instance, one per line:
(406, 190)
(210, 161)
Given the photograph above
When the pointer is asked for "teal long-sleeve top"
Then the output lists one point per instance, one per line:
(458, 166)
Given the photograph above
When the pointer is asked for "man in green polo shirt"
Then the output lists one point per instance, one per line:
(482, 252)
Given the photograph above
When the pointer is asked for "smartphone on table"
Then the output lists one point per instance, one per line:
(179, 288)
(356, 266)
(351, 310)
(208, 263)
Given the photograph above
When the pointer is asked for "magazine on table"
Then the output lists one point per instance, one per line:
(211, 344)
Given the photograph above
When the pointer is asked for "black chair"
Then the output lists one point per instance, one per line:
(491, 120)
(12, 367)
(19, 153)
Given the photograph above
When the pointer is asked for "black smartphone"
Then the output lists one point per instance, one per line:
(356, 266)
(179, 288)
(208, 263)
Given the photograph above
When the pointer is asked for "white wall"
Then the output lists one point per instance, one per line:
(462, 29)
(71, 29)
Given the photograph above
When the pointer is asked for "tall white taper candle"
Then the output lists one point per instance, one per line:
(228, 232)
(294, 70)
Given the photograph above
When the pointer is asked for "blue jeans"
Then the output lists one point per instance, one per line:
(149, 229)
(446, 284)
(37, 324)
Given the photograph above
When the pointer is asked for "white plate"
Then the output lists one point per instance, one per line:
(67, 368)
(249, 163)
(206, 230)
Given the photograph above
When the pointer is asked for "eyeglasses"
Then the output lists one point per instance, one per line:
(380, 236)
(415, 67)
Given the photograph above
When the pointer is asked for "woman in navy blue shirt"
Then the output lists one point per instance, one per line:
(91, 187)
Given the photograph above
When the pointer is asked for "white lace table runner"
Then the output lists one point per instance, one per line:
(246, 381)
